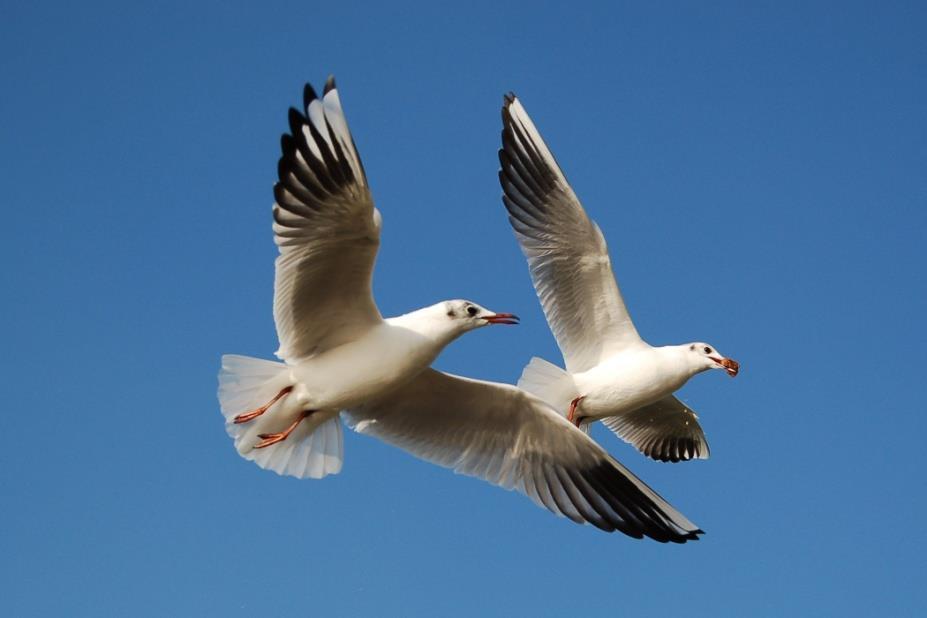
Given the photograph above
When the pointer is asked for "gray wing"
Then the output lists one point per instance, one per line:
(566, 252)
(327, 231)
(667, 430)
(510, 438)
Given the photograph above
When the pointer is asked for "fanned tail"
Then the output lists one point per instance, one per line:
(548, 382)
(314, 449)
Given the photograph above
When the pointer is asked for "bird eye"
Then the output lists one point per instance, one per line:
(707, 350)
(471, 310)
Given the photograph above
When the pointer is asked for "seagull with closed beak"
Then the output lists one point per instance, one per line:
(341, 358)
(612, 375)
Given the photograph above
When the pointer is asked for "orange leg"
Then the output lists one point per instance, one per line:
(244, 417)
(572, 415)
(272, 438)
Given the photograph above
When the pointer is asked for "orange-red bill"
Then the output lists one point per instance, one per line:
(502, 318)
(731, 366)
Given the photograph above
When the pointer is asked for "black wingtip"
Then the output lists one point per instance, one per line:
(282, 167)
(296, 120)
(309, 95)
(692, 536)
(509, 98)
(329, 84)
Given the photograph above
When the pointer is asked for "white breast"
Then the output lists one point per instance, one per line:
(384, 358)
(628, 381)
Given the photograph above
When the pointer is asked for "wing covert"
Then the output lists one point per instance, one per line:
(667, 430)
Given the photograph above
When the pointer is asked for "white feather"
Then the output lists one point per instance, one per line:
(313, 450)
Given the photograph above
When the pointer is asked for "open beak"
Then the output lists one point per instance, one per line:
(730, 365)
(501, 318)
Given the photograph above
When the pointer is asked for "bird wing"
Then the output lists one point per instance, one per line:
(512, 439)
(327, 231)
(667, 430)
(566, 251)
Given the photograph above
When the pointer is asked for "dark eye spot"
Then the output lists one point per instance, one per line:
(451, 313)
(471, 310)
(692, 347)
(707, 350)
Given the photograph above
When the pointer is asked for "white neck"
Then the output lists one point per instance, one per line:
(431, 322)
(680, 358)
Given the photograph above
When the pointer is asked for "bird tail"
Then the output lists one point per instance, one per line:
(548, 382)
(314, 449)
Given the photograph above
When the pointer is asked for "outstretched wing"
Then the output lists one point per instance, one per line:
(667, 430)
(512, 439)
(566, 252)
(327, 230)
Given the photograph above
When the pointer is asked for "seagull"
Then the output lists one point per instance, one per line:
(341, 359)
(612, 375)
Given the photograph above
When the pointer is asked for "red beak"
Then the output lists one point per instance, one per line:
(502, 318)
(730, 365)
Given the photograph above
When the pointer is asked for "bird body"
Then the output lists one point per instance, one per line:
(384, 357)
(632, 379)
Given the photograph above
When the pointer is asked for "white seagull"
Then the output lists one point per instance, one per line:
(612, 375)
(341, 357)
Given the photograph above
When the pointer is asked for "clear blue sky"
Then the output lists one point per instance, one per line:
(759, 174)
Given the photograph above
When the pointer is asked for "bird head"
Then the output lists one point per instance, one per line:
(467, 315)
(704, 356)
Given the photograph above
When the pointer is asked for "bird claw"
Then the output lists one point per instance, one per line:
(268, 439)
(572, 417)
(244, 417)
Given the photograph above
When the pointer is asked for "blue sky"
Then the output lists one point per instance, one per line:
(759, 173)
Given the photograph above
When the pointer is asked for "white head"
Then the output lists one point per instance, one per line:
(449, 319)
(701, 356)
(465, 315)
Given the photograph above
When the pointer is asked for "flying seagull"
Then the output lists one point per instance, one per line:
(612, 375)
(340, 357)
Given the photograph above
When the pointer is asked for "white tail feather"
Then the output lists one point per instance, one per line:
(550, 383)
(313, 450)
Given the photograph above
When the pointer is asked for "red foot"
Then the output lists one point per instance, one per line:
(268, 439)
(250, 416)
(572, 415)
